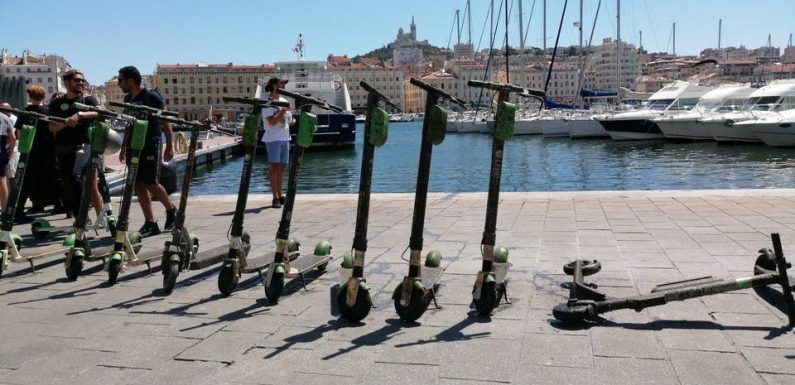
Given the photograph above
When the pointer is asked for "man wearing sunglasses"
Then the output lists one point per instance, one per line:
(71, 138)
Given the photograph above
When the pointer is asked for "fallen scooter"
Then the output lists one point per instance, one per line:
(413, 295)
(237, 261)
(489, 287)
(283, 266)
(10, 243)
(353, 297)
(586, 303)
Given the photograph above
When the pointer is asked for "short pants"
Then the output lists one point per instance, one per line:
(278, 152)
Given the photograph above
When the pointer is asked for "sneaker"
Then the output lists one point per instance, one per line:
(171, 217)
(281, 200)
(149, 229)
(276, 203)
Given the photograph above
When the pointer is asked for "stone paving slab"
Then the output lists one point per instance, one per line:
(87, 332)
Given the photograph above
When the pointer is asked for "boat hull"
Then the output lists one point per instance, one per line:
(586, 128)
(333, 131)
(689, 129)
(728, 133)
(631, 129)
(775, 134)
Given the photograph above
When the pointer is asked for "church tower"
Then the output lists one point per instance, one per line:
(413, 29)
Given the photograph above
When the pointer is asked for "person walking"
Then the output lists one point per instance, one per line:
(147, 182)
(276, 121)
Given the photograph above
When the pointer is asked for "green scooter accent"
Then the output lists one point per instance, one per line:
(504, 121)
(26, 139)
(379, 127)
(307, 125)
(250, 129)
(437, 124)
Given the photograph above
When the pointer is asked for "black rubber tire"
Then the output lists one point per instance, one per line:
(417, 305)
(170, 274)
(322, 267)
(226, 280)
(114, 268)
(566, 313)
(488, 299)
(274, 291)
(75, 267)
(3, 263)
(589, 267)
(766, 260)
(360, 309)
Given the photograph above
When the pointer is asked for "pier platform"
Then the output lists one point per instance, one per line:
(84, 332)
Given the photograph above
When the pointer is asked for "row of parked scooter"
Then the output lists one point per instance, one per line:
(413, 294)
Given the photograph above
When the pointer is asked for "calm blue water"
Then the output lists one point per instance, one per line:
(532, 163)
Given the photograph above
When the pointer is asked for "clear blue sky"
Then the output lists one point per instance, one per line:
(101, 36)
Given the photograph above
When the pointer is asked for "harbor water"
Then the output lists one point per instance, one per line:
(532, 163)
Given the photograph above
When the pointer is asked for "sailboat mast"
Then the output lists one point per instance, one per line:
(720, 29)
(521, 28)
(618, 48)
(507, 64)
(469, 23)
(580, 26)
(545, 27)
(674, 39)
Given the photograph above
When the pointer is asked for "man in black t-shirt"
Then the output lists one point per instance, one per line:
(41, 173)
(72, 137)
(147, 182)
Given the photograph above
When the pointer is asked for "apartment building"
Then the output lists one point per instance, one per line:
(602, 67)
(36, 69)
(387, 79)
(194, 89)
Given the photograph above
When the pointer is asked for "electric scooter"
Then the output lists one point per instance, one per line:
(10, 243)
(181, 250)
(282, 266)
(413, 295)
(353, 297)
(124, 252)
(586, 303)
(82, 248)
(488, 289)
(41, 228)
(237, 261)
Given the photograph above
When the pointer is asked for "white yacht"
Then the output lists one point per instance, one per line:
(686, 125)
(553, 124)
(775, 130)
(672, 99)
(767, 101)
(585, 126)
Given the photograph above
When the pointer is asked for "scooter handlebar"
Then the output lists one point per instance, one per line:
(381, 96)
(256, 102)
(303, 99)
(191, 123)
(525, 92)
(104, 113)
(429, 88)
(32, 115)
(142, 108)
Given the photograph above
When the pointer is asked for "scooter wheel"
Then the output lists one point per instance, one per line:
(765, 261)
(360, 309)
(226, 280)
(3, 257)
(114, 268)
(417, 304)
(322, 267)
(589, 267)
(274, 291)
(170, 274)
(75, 266)
(488, 298)
(566, 313)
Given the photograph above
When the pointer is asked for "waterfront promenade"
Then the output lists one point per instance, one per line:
(83, 332)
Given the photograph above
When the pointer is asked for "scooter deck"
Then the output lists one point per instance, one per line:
(208, 257)
(97, 245)
(305, 263)
(431, 275)
(262, 262)
(151, 252)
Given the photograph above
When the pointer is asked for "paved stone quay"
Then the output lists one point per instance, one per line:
(84, 332)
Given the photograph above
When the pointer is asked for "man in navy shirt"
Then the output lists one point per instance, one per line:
(147, 182)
